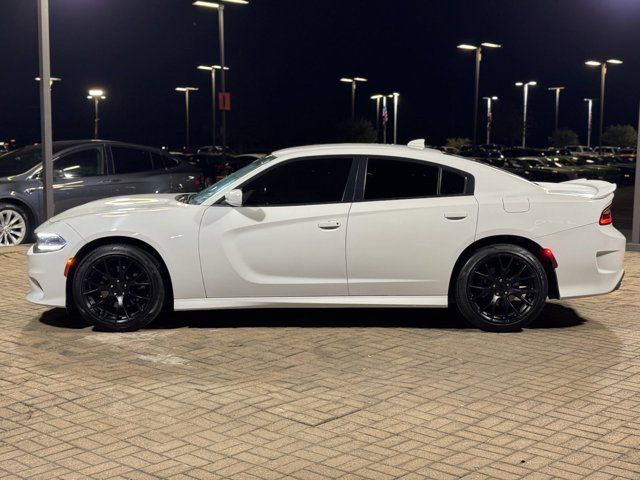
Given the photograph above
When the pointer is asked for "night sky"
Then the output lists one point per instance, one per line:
(286, 58)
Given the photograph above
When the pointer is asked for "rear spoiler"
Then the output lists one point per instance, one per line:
(591, 189)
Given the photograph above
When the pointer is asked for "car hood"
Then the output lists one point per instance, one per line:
(121, 206)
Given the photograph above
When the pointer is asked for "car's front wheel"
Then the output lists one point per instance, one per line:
(14, 225)
(501, 288)
(118, 288)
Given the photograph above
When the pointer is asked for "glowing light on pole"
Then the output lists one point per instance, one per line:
(478, 50)
(603, 78)
(525, 89)
(223, 77)
(212, 69)
(96, 95)
(353, 81)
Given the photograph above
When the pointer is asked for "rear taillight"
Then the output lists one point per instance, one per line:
(606, 217)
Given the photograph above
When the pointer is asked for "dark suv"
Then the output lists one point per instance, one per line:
(84, 171)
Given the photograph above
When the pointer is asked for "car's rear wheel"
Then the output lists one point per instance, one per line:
(118, 288)
(501, 288)
(14, 225)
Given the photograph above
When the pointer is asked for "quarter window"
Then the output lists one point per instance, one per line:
(316, 180)
(393, 179)
(83, 163)
(452, 183)
(130, 160)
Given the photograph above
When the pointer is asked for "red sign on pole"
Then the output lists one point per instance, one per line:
(224, 101)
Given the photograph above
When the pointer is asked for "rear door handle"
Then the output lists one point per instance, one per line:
(455, 215)
(329, 225)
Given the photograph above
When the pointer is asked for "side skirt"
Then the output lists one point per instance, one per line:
(309, 302)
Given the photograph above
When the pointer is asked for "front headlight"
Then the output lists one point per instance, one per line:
(48, 242)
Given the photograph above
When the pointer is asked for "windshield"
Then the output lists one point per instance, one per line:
(209, 192)
(19, 161)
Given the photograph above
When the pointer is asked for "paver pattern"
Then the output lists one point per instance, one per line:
(312, 394)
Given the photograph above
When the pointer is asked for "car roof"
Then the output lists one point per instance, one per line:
(60, 145)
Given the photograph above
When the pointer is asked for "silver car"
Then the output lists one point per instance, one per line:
(83, 171)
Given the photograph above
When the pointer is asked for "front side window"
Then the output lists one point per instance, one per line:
(130, 160)
(82, 163)
(300, 182)
(389, 179)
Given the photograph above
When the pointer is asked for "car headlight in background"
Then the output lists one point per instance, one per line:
(48, 242)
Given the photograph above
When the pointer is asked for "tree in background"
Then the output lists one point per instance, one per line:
(356, 131)
(563, 137)
(620, 136)
(457, 142)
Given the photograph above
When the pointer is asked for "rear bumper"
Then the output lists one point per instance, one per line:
(590, 259)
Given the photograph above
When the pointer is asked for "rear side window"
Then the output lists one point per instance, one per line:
(162, 162)
(131, 160)
(452, 183)
(393, 179)
(300, 182)
(82, 163)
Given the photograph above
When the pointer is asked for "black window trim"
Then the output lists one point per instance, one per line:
(347, 194)
(469, 185)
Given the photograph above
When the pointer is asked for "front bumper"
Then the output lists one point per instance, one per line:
(590, 259)
(46, 270)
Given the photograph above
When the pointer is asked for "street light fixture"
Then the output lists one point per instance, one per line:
(377, 98)
(96, 95)
(219, 5)
(557, 90)
(489, 100)
(589, 120)
(212, 69)
(187, 91)
(353, 81)
(478, 49)
(525, 88)
(603, 76)
(396, 99)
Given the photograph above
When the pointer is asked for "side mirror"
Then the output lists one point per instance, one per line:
(234, 198)
(59, 174)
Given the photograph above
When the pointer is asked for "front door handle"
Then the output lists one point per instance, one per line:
(329, 225)
(455, 215)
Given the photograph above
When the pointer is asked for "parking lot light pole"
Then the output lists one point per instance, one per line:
(187, 91)
(212, 69)
(46, 131)
(396, 99)
(353, 81)
(603, 78)
(635, 230)
(589, 119)
(219, 5)
(377, 98)
(557, 91)
(489, 100)
(525, 89)
(96, 95)
(476, 99)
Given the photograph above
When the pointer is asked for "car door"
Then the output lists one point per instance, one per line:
(132, 171)
(288, 238)
(407, 227)
(79, 177)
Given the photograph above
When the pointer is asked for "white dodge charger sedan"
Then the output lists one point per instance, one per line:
(335, 226)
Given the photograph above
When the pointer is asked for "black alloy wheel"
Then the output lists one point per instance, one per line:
(118, 288)
(501, 288)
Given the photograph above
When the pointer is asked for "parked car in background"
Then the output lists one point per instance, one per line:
(84, 171)
(579, 149)
(596, 168)
(609, 151)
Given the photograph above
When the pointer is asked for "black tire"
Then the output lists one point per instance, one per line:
(118, 288)
(14, 209)
(501, 288)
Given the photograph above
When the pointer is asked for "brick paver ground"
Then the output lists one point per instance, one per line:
(372, 394)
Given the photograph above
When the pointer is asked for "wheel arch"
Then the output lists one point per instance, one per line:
(528, 244)
(26, 207)
(164, 271)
